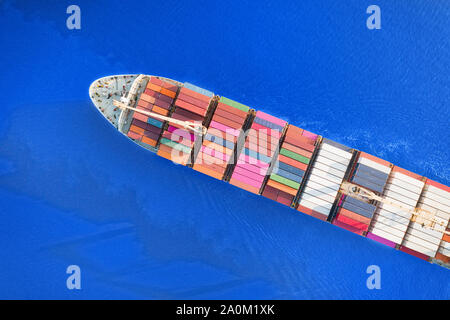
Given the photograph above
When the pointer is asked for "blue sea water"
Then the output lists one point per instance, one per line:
(75, 191)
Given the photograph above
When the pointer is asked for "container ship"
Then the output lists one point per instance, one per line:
(267, 156)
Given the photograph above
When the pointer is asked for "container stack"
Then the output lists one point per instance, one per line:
(157, 97)
(438, 197)
(443, 253)
(354, 215)
(289, 169)
(191, 105)
(325, 179)
(260, 145)
(371, 173)
(429, 242)
(389, 223)
(218, 146)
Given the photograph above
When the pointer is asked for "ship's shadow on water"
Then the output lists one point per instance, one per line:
(67, 157)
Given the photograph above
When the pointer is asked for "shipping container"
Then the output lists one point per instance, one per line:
(191, 105)
(290, 164)
(431, 242)
(324, 180)
(218, 148)
(391, 221)
(144, 129)
(356, 214)
(260, 146)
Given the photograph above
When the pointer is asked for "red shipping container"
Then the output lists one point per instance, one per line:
(285, 198)
(271, 132)
(227, 122)
(297, 150)
(194, 94)
(442, 257)
(352, 223)
(228, 115)
(406, 172)
(300, 142)
(140, 117)
(294, 131)
(190, 107)
(227, 108)
(348, 228)
(196, 102)
(157, 81)
(270, 192)
(354, 216)
(312, 213)
(414, 253)
(134, 135)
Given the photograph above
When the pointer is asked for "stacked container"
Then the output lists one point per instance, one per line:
(438, 197)
(389, 223)
(325, 179)
(260, 145)
(157, 97)
(435, 199)
(191, 105)
(289, 169)
(218, 146)
(371, 173)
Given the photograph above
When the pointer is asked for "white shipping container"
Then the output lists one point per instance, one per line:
(374, 165)
(315, 207)
(331, 187)
(324, 182)
(439, 213)
(332, 156)
(415, 232)
(397, 210)
(392, 229)
(439, 192)
(418, 246)
(386, 235)
(403, 191)
(401, 198)
(392, 216)
(400, 225)
(340, 152)
(404, 185)
(326, 176)
(436, 233)
(316, 200)
(435, 204)
(329, 169)
(417, 183)
(436, 197)
(445, 244)
(330, 197)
